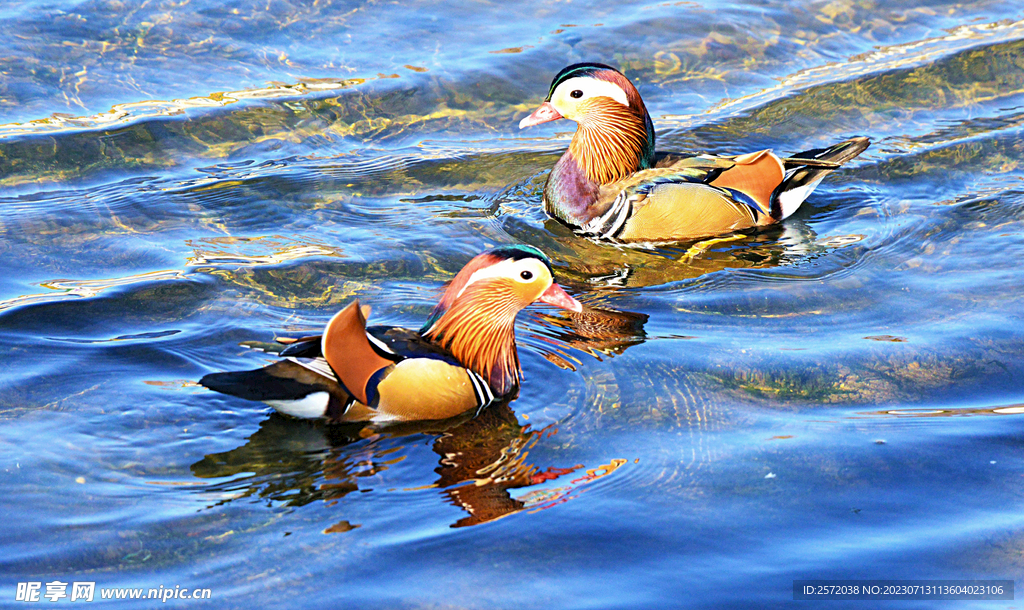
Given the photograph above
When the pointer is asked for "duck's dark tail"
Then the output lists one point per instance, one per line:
(278, 381)
(293, 388)
(805, 170)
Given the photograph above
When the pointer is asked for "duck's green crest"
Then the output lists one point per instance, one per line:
(520, 251)
(584, 69)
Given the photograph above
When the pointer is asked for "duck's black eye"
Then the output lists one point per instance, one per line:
(526, 275)
(576, 93)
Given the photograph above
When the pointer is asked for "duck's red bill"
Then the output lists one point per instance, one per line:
(545, 113)
(554, 295)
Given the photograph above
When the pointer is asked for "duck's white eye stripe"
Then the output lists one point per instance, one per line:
(508, 269)
(592, 87)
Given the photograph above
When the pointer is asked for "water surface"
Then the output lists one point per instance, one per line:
(838, 397)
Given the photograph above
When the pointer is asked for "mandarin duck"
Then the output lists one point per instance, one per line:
(610, 184)
(463, 358)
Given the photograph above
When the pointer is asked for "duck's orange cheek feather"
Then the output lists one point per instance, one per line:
(524, 294)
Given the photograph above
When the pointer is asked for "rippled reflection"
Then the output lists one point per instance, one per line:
(76, 289)
(481, 460)
(241, 251)
(926, 412)
(124, 114)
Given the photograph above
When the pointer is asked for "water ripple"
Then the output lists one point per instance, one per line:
(81, 289)
(123, 115)
(884, 59)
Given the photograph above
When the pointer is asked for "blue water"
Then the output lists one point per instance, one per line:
(839, 397)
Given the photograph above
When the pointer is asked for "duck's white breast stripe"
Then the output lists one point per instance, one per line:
(476, 386)
(611, 211)
(477, 392)
(609, 224)
(625, 211)
(481, 388)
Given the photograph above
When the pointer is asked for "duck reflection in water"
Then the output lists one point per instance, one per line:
(481, 459)
(595, 331)
(658, 265)
(590, 266)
